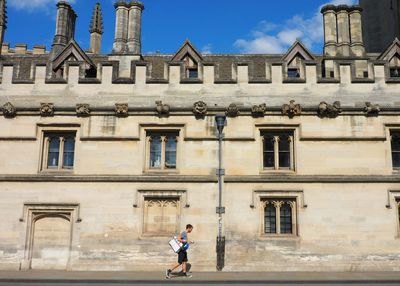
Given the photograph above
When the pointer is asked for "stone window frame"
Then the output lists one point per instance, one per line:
(262, 128)
(393, 202)
(278, 202)
(179, 129)
(260, 196)
(33, 212)
(390, 130)
(56, 129)
(139, 203)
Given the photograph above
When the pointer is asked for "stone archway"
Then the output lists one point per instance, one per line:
(50, 241)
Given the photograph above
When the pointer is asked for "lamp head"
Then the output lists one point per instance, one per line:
(220, 121)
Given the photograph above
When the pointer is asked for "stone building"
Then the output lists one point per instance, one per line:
(105, 157)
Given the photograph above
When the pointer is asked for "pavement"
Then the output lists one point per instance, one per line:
(218, 278)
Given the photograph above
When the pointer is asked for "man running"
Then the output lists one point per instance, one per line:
(182, 255)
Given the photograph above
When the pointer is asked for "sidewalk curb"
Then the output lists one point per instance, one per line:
(194, 281)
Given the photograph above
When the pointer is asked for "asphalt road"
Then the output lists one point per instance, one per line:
(194, 283)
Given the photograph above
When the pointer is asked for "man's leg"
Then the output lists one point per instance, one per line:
(175, 266)
(184, 267)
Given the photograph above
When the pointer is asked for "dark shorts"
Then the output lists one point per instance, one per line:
(182, 256)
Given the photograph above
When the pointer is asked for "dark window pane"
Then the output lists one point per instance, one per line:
(395, 142)
(293, 73)
(269, 160)
(193, 73)
(54, 152)
(394, 72)
(286, 219)
(284, 143)
(270, 219)
(284, 151)
(269, 154)
(155, 152)
(396, 159)
(69, 148)
(284, 159)
(170, 152)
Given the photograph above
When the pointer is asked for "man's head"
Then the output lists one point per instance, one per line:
(189, 228)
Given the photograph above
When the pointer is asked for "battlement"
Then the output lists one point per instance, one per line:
(233, 70)
(22, 49)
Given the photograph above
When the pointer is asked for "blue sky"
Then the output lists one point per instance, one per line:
(213, 26)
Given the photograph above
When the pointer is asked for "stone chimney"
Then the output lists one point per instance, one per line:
(343, 31)
(135, 28)
(128, 27)
(3, 20)
(356, 31)
(65, 26)
(96, 30)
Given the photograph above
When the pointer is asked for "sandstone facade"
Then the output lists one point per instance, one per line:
(104, 158)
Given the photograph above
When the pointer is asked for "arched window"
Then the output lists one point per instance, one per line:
(280, 217)
(270, 218)
(286, 218)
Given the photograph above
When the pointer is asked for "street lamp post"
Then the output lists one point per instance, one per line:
(220, 121)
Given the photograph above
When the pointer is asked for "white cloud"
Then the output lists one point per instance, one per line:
(207, 49)
(271, 38)
(33, 4)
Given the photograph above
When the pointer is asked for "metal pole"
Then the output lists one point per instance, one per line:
(220, 183)
(220, 210)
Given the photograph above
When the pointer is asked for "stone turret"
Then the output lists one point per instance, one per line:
(3, 20)
(96, 30)
(128, 27)
(343, 30)
(65, 26)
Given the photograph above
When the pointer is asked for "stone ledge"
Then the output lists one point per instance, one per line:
(339, 179)
(108, 178)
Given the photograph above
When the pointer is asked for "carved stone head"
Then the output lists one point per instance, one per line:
(46, 109)
(232, 110)
(162, 109)
(121, 109)
(9, 110)
(259, 110)
(292, 109)
(82, 109)
(200, 108)
(371, 109)
(326, 110)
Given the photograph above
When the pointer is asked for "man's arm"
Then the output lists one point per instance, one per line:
(180, 239)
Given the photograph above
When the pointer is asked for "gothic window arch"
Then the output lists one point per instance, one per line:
(280, 216)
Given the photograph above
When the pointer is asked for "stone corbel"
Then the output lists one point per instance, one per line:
(259, 110)
(9, 110)
(162, 109)
(82, 109)
(200, 109)
(121, 109)
(46, 109)
(232, 110)
(292, 109)
(371, 109)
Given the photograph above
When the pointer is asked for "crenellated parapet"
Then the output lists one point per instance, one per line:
(21, 64)
(23, 49)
